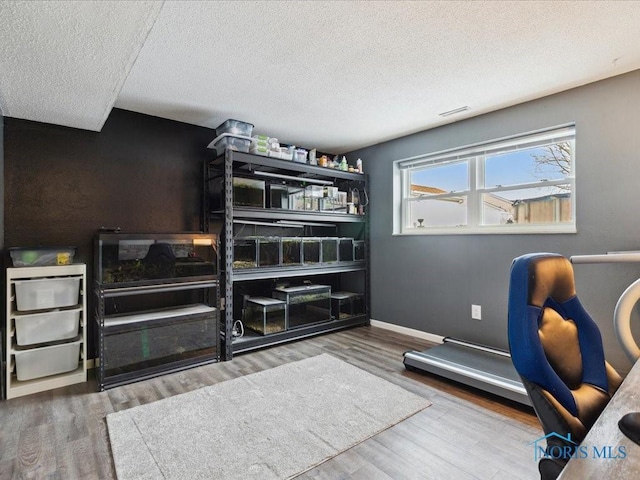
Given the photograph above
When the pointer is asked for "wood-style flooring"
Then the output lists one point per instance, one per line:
(464, 434)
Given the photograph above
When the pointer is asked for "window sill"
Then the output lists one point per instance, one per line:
(491, 230)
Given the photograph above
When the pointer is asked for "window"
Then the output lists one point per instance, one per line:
(522, 184)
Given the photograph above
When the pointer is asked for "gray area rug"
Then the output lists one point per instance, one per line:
(274, 424)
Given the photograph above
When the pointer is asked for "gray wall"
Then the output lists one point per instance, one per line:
(428, 283)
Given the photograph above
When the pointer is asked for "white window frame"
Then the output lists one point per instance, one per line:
(474, 155)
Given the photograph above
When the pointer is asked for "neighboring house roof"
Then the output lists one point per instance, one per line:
(544, 198)
(418, 189)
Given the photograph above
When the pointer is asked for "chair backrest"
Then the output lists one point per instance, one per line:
(556, 347)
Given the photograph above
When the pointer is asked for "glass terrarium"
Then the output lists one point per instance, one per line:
(358, 250)
(346, 305)
(279, 196)
(306, 304)
(268, 251)
(311, 250)
(245, 253)
(345, 249)
(248, 192)
(139, 258)
(291, 250)
(329, 250)
(265, 315)
(296, 199)
(132, 345)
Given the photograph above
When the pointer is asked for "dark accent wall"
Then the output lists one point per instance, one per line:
(1, 183)
(428, 283)
(140, 173)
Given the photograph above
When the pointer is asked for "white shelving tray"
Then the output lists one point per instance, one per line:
(14, 387)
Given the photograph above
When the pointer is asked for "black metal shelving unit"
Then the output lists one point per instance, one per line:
(222, 218)
(130, 342)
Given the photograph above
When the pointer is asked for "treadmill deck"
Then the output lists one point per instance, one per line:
(479, 367)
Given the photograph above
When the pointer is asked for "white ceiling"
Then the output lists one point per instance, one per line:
(331, 75)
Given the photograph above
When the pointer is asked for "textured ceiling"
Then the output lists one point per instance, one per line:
(65, 62)
(331, 75)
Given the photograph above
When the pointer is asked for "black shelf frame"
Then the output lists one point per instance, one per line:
(245, 164)
(265, 273)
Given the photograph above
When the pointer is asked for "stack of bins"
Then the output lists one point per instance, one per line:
(234, 127)
(46, 340)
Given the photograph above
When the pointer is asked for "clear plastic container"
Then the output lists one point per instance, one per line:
(41, 256)
(233, 143)
(300, 155)
(235, 127)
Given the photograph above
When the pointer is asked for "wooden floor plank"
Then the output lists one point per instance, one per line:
(465, 434)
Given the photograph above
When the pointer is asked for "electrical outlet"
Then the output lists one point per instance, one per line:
(476, 312)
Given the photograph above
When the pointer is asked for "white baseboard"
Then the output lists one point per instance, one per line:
(431, 337)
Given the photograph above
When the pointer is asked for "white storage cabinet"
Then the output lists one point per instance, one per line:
(46, 342)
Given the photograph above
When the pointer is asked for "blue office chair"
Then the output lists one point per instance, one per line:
(556, 348)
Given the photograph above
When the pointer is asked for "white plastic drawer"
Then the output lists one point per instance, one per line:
(47, 327)
(47, 293)
(45, 361)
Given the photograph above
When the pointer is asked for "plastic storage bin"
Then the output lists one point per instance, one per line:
(47, 327)
(233, 143)
(47, 293)
(41, 256)
(265, 315)
(306, 304)
(235, 127)
(300, 155)
(45, 361)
